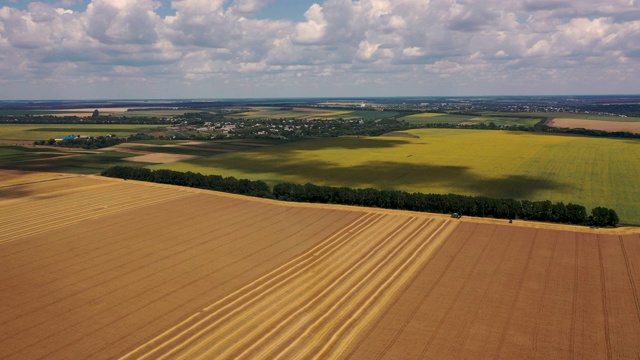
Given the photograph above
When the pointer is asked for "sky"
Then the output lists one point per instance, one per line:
(208, 49)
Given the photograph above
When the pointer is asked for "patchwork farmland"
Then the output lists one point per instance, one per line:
(95, 267)
(498, 164)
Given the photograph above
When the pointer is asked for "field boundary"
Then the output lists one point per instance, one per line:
(622, 230)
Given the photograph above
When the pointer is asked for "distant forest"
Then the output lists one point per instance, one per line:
(457, 205)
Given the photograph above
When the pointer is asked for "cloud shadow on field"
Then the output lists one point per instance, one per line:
(278, 146)
(74, 163)
(13, 192)
(391, 175)
(348, 143)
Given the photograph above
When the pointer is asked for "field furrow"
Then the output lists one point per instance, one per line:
(258, 261)
(548, 275)
(96, 268)
(39, 205)
(308, 319)
(449, 303)
(404, 335)
(265, 298)
(392, 287)
(605, 304)
(624, 321)
(248, 291)
(632, 281)
(258, 335)
(590, 337)
(130, 261)
(290, 320)
(59, 215)
(137, 278)
(514, 302)
(574, 307)
(555, 325)
(390, 340)
(299, 316)
(120, 244)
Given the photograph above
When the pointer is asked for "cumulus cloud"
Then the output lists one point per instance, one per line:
(314, 29)
(249, 7)
(395, 44)
(122, 21)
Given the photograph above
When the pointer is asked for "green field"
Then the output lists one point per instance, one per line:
(435, 118)
(367, 114)
(265, 112)
(53, 131)
(454, 119)
(159, 113)
(47, 158)
(12, 112)
(10, 154)
(150, 112)
(198, 148)
(74, 161)
(566, 115)
(584, 170)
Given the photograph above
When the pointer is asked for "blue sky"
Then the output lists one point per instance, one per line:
(77, 5)
(276, 9)
(286, 9)
(76, 49)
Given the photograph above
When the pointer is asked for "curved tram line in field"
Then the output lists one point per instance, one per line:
(66, 206)
(280, 314)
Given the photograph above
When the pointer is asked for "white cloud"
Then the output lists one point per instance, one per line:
(540, 48)
(367, 50)
(407, 44)
(313, 30)
(248, 7)
(413, 51)
(122, 21)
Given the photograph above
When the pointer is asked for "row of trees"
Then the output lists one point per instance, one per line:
(210, 182)
(73, 119)
(97, 142)
(541, 126)
(390, 199)
(93, 142)
(448, 203)
(586, 132)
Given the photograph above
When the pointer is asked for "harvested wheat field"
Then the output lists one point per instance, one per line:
(160, 158)
(99, 268)
(628, 126)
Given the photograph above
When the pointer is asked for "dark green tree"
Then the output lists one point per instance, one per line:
(601, 216)
(576, 214)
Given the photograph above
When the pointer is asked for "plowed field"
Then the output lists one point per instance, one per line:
(633, 127)
(96, 268)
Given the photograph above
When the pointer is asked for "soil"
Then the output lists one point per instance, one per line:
(94, 267)
(161, 158)
(633, 127)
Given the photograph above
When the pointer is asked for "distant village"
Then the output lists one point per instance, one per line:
(282, 128)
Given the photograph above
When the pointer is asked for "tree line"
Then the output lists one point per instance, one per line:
(479, 206)
(540, 127)
(93, 142)
(74, 119)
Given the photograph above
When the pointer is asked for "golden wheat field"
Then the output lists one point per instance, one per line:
(99, 268)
